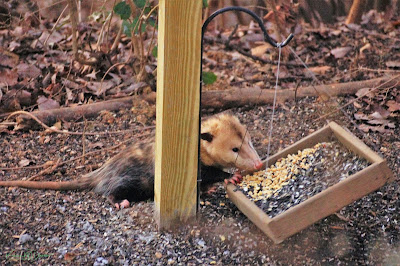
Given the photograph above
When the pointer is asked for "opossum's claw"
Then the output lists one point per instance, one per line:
(238, 175)
(234, 180)
(212, 190)
(122, 205)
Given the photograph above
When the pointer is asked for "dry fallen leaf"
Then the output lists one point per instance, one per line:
(320, 69)
(47, 103)
(360, 116)
(341, 51)
(52, 39)
(69, 256)
(98, 88)
(365, 47)
(24, 162)
(28, 71)
(357, 105)
(393, 64)
(260, 50)
(9, 77)
(367, 128)
(364, 92)
(56, 126)
(8, 59)
(393, 105)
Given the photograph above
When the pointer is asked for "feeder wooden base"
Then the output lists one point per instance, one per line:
(324, 203)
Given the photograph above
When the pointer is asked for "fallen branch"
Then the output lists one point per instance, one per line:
(217, 99)
(240, 97)
(50, 117)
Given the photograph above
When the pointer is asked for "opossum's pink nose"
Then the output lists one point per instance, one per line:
(258, 165)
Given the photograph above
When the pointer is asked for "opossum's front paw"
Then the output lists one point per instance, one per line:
(122, 205)
(235, 179)
(211, 190)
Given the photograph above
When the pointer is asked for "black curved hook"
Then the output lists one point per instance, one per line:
(267, 38)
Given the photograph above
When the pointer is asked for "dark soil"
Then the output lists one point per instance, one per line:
(82, 227)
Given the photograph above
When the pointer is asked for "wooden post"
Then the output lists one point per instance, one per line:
(178, 105)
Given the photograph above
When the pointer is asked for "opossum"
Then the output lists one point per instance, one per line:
(129, 176)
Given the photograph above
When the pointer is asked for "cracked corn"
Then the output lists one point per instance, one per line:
(293, 179)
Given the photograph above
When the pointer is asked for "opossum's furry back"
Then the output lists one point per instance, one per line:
(130, 171)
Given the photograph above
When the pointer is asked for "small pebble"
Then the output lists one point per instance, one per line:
(226, 253)
(25, 238)
(100, 261)
(201, 243)
(87, 227)
(158, 255)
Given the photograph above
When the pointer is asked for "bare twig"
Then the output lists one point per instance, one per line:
(47, 170)
(231, 35)
(109, 23)
(51, 129)
(78, 57)
(277, 24)
(117, 39)
(151, 46)
(40, 9)
(108, 71)
(83, 142)
(102, 34)
(55, 25)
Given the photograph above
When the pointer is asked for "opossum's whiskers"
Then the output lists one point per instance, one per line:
(273, 107)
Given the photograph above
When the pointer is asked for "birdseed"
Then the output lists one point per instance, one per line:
(297, 177)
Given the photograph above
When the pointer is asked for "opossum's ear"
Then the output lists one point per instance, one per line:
(207, 137)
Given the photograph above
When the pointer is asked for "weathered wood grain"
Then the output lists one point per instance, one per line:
(178, 101)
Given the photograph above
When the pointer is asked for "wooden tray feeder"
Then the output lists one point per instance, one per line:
(326, 202)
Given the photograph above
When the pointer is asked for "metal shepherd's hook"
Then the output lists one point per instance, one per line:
(267, 38)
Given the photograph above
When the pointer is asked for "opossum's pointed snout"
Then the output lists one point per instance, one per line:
(258, 165)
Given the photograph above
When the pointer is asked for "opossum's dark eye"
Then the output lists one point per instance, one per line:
(235, 149)
(206, 136)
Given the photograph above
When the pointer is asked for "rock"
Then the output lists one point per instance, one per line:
(226, 253)
(54, 240)
(88, 227)
(100, 261)
(25, 238)
(201, 243)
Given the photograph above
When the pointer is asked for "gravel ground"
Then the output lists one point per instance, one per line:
(79, 228)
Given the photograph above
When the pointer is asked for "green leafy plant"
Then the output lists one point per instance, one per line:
(123, 10)
(132, 22)
(209, 78)
(138, 16)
